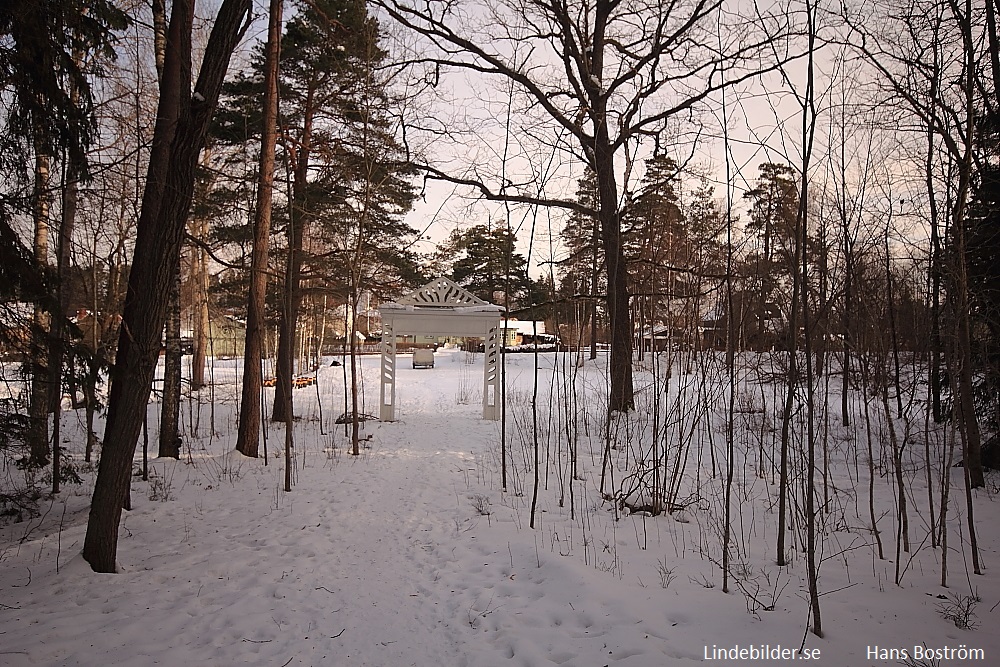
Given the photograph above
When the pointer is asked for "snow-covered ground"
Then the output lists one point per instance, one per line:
(413, 554)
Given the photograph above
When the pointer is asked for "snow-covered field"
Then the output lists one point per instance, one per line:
(412, 553)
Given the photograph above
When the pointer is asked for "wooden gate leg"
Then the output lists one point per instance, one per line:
(491, 375)
(387, 399)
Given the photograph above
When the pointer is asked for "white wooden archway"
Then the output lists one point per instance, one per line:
(441, 308)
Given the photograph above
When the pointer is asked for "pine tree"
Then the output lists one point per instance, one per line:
(771, 263)
(488, 265)
(583, 270)
(655, 242)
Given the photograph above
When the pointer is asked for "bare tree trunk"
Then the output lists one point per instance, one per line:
(812, 530)
(894, 337)
(353, 333)
(594, 274)
(968, 421)
(731, 342)
(90, 397)
(786, 418)
(808, 133)
(903, 521)
(965, 401)
(285, 355)
(171, 396)
(847, 248)
(848, 341)
(935, 284)
(181, 126)
(170, 407)
(56, 332)
(871, 472)
(199, 279)
(286, 334)
(619, 315)
(159, 9)
(945, 492)
(298, 220)
(994, 45)
(928, 472)
(621, 399)
(287, 394)
(38, 410)
(249, 425)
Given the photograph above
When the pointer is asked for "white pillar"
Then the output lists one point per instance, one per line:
(387, 400)
(491, 373)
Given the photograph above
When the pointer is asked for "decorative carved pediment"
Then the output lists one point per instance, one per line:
(441, 292)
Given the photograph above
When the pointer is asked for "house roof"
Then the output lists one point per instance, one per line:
(525, 327)
(658, 330)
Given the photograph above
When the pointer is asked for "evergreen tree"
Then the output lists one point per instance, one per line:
(983, 251)
(583, 274)
(46, 80)
(359, 221)
(329, 52)
(50, 52)
(488, 265)
(705, 229)
(655, 241)
(771, 264)
(583, 267)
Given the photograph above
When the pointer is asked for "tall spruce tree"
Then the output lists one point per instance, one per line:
(49, 54)
(582, 271)
(655, 241)
(982, 251)
(771, 263)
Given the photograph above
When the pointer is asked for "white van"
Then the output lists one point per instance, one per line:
(423, 358)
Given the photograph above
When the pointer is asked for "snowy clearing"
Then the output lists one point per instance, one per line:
(412, 554)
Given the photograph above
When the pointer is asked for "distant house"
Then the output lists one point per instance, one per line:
(226, 334)
(656, 338)
(759, 326)
(518, 332)
(713, 333)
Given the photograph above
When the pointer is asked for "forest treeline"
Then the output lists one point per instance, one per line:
(172, 185)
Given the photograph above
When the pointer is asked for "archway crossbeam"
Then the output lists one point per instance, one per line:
(441, 308)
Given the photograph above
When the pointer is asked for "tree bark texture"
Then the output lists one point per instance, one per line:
(247, 436)
(199, 279)
(170, 407)
(620, 319)
(286, 333)
(38, 410)
(298, 222)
